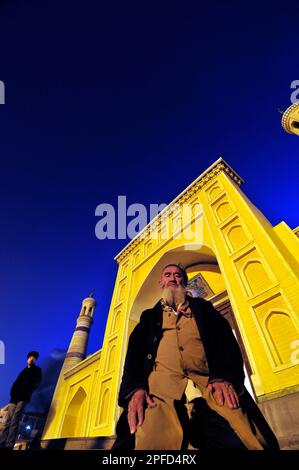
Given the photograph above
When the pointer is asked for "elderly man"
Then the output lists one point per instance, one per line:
(182, 341)
(20, 394)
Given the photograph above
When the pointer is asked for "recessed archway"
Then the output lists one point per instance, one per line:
(72, 422)
(201, 265)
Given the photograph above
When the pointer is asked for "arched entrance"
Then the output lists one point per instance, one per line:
(205, 281)
(72, 424)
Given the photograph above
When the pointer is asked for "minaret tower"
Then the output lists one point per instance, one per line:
(78, 345)
(75, 354)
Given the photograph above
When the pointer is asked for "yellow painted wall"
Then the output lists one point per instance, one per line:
(69, 419)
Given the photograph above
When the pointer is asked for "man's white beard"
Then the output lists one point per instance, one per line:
(174, 296)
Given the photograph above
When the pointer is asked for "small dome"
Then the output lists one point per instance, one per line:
(290, 119)
(90, 300)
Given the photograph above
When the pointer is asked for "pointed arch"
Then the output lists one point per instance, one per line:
(73, 423)
(282, 332)
(255, 276)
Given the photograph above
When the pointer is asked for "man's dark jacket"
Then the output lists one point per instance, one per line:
(27, 381)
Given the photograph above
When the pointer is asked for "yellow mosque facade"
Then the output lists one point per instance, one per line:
(235, 258)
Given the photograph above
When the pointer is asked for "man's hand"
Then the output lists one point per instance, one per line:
(136, 408)
(225, 394)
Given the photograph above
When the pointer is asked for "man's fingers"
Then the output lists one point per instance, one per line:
(228, 398)
(231, 397)
(150, 402)
(132, 419)
(235, 397)
(225, 394)
(140, 412)
(219, 396)
(136, 410)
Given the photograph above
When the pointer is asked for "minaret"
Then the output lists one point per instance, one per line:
(75, 354)
(78, 345)
(290, 119)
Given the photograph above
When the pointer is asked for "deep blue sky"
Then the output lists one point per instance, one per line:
(106, 99)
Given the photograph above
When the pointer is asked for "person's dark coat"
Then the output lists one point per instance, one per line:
(25, 384)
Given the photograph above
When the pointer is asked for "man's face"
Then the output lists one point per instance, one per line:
(31, 360)
(171, 277)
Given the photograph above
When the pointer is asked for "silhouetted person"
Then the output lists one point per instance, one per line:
(20, 394)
